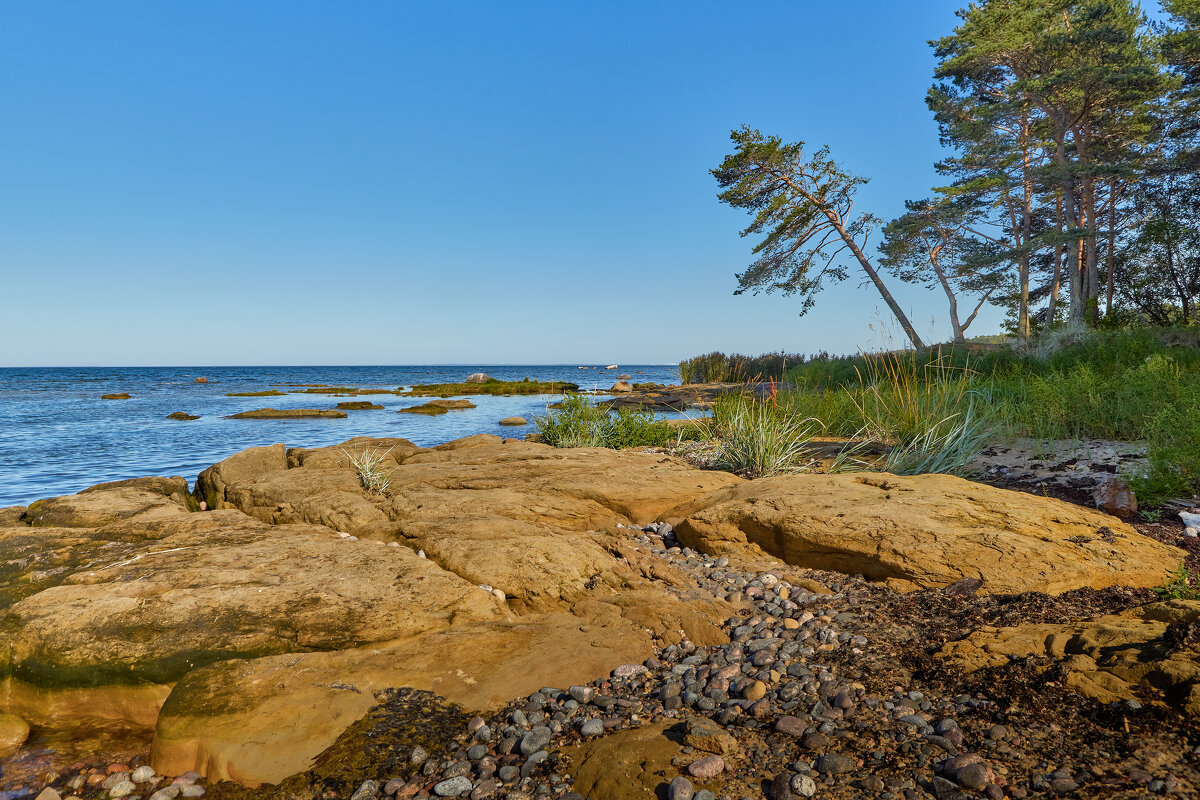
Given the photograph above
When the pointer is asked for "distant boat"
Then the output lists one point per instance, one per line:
(611, 366)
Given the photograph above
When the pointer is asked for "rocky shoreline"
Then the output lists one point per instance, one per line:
(680, 672)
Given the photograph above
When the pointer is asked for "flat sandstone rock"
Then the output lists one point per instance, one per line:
(927, 531)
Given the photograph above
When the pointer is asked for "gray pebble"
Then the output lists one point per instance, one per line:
(680, 788)
(368, 791)
(453, 787)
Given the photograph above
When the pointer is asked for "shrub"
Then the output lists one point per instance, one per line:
(579, 422)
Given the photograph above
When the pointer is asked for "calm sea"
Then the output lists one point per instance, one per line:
(57, 436)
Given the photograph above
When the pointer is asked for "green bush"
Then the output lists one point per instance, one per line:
(579, 422)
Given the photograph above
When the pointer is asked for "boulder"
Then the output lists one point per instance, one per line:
(251, 463)
(1113, 496)
(290, 413)
(478, 377)
(621, 386)
(624, 377)
(926, 531)
(1110, 658)
(200, 380)
(13, 733)
(182, 416)
(516, 421)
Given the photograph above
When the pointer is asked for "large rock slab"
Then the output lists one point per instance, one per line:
(926, 531)
(202, 593)
(262, 720)
(1108, 658)
(262, 632)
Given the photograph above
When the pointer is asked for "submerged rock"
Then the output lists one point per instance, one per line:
(115, 396)
(182, 416)
(13, 733)
(290, 413)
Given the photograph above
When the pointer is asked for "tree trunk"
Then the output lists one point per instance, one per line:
(1110, 258)
(901, 317)
(1059, 252)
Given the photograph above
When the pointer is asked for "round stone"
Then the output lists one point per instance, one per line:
(803, 785)
(142, 775)
(757, 690)
(453, 787)
(680, 788)
(123, 789)
(707, 768)
(593, 727)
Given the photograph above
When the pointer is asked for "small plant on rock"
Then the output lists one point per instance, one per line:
(368, 465)
(1179, 586)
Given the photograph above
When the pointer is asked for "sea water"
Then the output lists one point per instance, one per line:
(57, 436)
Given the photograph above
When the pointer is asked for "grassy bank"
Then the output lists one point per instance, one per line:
(938, 406)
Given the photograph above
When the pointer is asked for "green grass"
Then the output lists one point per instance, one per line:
(938, 406)
(491, 387)
(579, 422)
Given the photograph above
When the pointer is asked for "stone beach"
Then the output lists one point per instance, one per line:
(591, 624)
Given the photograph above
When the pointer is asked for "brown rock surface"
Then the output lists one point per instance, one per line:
(122, 592)
(630, 765)
(1107, 658)
(211, 483)
(926, 531)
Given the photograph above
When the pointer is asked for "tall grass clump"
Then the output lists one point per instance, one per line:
(368, 466)
(579, 422)
(933, 415)
(758, 437)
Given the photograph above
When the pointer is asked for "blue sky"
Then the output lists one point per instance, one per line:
(448, 182)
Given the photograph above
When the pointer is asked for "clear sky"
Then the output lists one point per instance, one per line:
(432, 182)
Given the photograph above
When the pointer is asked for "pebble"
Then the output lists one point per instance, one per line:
(368, 791)
(707, 768)
(452, 787)
(836, 763)
(593, 727)
(166, 793)
(142, 775)
(535, 740)
(191, 790)
(975, 776)
(629, 670)
(803, 785)
(680, 788)
(122, 789)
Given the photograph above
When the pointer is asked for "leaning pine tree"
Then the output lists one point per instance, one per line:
(805, 206)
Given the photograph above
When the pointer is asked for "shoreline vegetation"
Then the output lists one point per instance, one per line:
(1135, 385)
